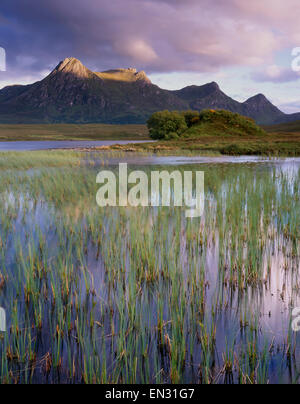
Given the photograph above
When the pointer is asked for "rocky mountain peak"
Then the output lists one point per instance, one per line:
(258, 98)
(72, 66)
(213, 85)
(129, 75)
(261, 109)
(142, 76)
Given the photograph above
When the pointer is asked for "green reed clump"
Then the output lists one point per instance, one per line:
(140, 295)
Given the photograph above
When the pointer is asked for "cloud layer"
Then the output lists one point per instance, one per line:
(154, 35)
(275, 74)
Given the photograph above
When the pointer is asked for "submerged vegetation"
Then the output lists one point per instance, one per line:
(124, 295)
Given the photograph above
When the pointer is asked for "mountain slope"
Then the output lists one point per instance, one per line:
(285, 127)
(287, 118)
(208, 96)
(72, 93)
(262, 110)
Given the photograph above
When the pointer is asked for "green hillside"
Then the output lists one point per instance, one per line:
(223, 123)
(166, 125)
(211, 131)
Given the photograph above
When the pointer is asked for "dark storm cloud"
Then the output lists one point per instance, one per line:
(155, 35)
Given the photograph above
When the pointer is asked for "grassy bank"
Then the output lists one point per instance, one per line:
(37, 159)
(73, 132)
(277, 140)
(218, 132)
(289, 127)
(272, 144)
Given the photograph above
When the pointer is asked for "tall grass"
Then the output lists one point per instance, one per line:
(143, 295)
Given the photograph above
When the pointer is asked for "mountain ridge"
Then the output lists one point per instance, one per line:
(72, 93)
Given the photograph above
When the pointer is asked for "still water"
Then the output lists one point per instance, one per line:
(47, 145)
(143, 295)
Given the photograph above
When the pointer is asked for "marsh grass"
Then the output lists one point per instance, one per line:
(52, 132)
(271, 144)
(27, 160)
(142, 295)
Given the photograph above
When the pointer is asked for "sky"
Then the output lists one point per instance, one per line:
(245, 46)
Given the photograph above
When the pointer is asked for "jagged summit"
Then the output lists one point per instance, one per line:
(260, 103)
(130, 70)
(67, 62)
(258, 97)
(72, 66)
(213, 86)
(206, 96)
(198, 91)
(260, 108)
(124, 75)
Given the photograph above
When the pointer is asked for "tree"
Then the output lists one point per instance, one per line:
(166, 125)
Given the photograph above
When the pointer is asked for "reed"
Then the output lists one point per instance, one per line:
(143, 295)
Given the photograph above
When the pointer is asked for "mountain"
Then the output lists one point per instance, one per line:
(262, 110)
(72, 93)
(288, 118)
(210, 96)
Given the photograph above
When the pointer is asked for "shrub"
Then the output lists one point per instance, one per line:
(231, 120)
(191, 117)
(166, 125)
(172, 136)
(195, 120)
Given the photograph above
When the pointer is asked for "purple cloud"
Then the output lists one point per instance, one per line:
(275, 74)
(154, 35)
(290, 107)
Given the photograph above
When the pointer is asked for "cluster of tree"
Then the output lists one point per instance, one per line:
(167, 125)
(171, 125)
